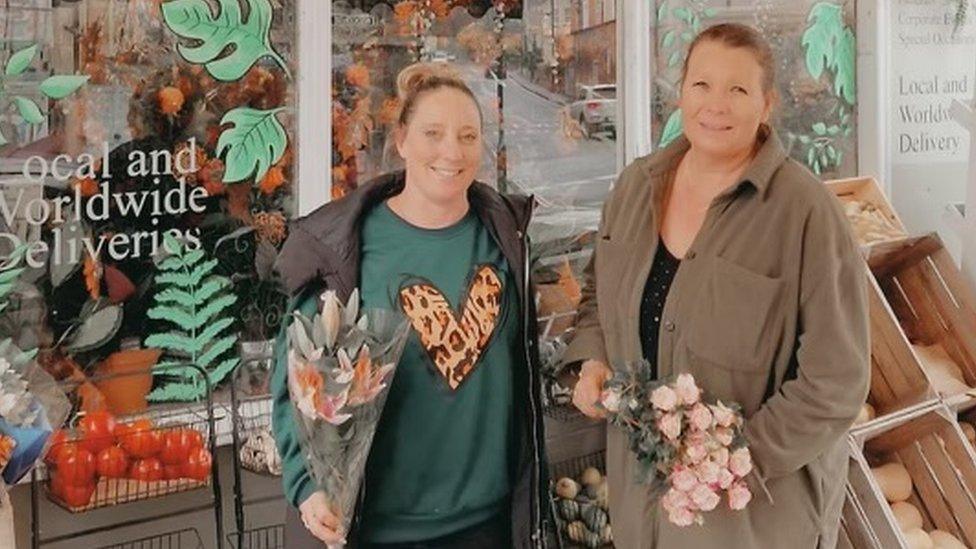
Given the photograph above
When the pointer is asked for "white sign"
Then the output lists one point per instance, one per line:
(932, 65)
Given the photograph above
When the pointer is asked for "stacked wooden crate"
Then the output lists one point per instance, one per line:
(923, 370)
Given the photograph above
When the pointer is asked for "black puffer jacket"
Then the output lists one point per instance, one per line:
(322, 251)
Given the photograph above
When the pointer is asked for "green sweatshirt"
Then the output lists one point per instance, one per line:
(443, 453)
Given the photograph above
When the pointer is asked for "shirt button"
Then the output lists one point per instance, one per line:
(669, 326)
(690, 254)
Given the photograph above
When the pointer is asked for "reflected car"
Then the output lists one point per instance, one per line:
(595, 108)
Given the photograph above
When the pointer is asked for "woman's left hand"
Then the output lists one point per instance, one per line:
(589, 388)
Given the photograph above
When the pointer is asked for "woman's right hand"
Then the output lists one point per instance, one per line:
(319, 518)
(589, 388)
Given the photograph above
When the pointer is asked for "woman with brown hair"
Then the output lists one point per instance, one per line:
(721, 257)
(457, 460)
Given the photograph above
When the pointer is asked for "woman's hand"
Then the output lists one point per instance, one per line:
(589, 388)
(319, 518)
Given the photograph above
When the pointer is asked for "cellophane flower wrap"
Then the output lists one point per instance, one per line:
(340, 366)
(691, 452)
(30, 404)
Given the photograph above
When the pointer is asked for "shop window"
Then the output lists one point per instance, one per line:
(814, 44)
(147, 173)
(544, 72)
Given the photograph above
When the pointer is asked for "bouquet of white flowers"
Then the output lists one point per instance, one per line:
(340, 366)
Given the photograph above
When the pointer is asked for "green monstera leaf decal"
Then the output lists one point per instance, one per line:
(255, 143)
(249, 40)
(830, 46)
(195, 302)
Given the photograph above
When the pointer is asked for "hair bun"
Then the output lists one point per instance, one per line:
(417, 76)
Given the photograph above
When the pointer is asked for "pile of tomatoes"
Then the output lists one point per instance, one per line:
(138, 450)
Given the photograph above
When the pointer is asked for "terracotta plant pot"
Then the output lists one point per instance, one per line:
(131, 370)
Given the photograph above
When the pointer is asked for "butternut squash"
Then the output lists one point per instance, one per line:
(894, 480)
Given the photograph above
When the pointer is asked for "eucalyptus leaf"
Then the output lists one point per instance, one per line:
(28, 110)
(60, 86)
(20, 60)
(819, 128)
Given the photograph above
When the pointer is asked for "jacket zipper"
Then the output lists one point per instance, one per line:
(537, 534)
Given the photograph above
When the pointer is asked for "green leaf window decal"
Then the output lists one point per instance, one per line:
(830, 46)
(20, 60)
(255, 143)
(55, 87)
(196, 303)
(249, 40)
(10, 271)
(673, 128)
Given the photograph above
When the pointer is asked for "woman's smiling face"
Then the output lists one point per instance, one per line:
(722, 99)
(441, 144)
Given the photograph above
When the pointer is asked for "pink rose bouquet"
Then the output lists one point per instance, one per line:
(692, 452)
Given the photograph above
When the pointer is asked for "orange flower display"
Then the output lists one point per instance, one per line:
(358, 75)
(93, 276)
(404, 11)
(171, 100)
(272, 180)
(88, 186)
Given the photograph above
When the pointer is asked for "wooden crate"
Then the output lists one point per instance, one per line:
(929, 299)
(897, 378)
(928, 442)
(866, 521)
(866, 190)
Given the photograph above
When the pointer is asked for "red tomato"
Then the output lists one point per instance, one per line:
(112, 462)
(196, 438)
(76, 468)
(78, 496)
(172, 472)
(97, 431)
(147, 469)
(56, 485)
(59, 443)
(141, 439)
(177, 444)
(197, 464)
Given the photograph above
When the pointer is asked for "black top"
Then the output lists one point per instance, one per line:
(652, 304)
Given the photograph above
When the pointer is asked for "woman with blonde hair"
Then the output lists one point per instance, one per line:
(722, 257)
(457, 460)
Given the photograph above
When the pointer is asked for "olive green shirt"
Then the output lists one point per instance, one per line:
(768, 309)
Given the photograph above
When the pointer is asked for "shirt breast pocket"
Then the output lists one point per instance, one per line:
(737, 321)
(611, 262)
